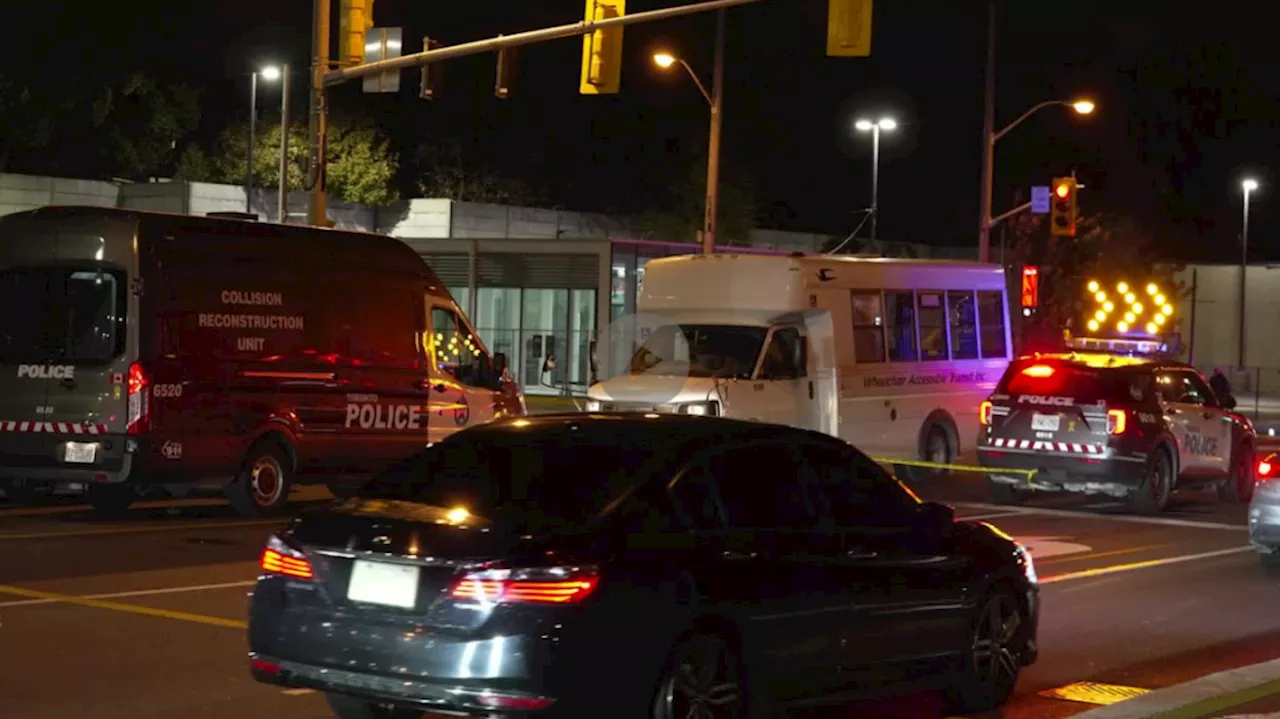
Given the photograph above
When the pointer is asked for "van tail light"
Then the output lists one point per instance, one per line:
(1264, 468)
(539, 585)
(281, 559)
(1117, 421)
(984, 413)
(139, 417)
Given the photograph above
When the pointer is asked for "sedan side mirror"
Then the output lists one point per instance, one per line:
(936, 516)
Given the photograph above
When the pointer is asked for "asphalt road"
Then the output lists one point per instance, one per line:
(142, 617)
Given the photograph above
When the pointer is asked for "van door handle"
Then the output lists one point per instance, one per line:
(736, 555)
(69, 383)
(427, 384)
(861, 554)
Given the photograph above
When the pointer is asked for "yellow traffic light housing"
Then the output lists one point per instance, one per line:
(848, 28)
(355, 20)
(602, 50)
(1062, 207)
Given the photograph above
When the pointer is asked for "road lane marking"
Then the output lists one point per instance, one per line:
(993, 515)
(298, 692)
(1147, 564)
(1075, 514)
(135, 593)
(1100, 555)
(139, 529)
(149, 504)
(1046, 547)
(1095, 693)
(125, 608)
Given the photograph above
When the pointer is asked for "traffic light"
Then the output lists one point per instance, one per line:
(1062, 208)
(602, 50)
(506, 72)
(355, 19)
(1030, 287)
(432, 74)
(848, 28)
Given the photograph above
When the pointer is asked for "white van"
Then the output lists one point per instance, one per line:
(892, 355)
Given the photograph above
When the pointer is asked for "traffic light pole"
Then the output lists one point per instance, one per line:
(317, 213)
(988, 139)
(712, 210)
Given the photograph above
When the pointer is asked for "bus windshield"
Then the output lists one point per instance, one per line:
(723, 351)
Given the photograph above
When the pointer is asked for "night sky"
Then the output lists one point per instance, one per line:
(1185, 104)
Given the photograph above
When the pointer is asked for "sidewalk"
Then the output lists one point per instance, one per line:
(1249, 691)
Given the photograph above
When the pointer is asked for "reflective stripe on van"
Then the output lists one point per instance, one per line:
(53, 427)
(1071, 447)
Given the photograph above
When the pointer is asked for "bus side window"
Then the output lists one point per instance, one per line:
(933, 327)
(991, 324)
(868, 328)
(900, 325)
(964, 325)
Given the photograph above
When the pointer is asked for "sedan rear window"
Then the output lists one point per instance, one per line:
(1085, 384)
(553, 480)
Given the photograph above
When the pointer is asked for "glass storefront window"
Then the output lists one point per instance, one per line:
(544, 331)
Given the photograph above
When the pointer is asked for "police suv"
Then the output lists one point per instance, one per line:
(1131, 427)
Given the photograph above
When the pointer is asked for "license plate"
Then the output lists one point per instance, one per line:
(392, 585)
(1045, 422)
(80, 452)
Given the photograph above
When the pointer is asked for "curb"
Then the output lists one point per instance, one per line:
(1199, 698)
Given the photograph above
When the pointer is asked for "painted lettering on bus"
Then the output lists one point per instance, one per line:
(384, 416)
(924, 380)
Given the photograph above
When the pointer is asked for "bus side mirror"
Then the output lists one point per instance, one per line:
(1229, 402)
(499, 364)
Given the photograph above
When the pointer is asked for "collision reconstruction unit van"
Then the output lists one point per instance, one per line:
(140, 349)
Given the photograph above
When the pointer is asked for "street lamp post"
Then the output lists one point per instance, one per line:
(886, 124)
(282, 201)
(270, 74)
(1248, 185)
(715, 99)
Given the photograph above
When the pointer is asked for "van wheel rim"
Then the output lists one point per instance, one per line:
(1157, 481)
(266, 481)
(937, 449)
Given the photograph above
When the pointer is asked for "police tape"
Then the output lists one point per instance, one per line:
(1028, 473)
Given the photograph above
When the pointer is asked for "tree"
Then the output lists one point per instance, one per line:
(683, 212)
(120, 126)
(443, 170)
(362, 166)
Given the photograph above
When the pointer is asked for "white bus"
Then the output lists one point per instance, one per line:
(894, 356)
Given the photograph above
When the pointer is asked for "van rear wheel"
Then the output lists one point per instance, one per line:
(262, 488)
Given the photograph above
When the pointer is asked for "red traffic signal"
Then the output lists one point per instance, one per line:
(1030, 287)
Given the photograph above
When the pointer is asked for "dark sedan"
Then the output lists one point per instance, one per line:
(648, 565)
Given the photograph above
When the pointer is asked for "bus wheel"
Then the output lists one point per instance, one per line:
(262, 488)
(937, 450)
(111, 499)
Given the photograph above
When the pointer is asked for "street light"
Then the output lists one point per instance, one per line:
(666, 60)
(270, 73)
(887, 124)
(1249, 185)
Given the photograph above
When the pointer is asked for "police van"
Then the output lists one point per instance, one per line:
(1120, 423)
(892, 355)
(141, 349)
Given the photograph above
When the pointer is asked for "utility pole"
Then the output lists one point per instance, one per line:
(253, 121)
(282, 202)
(988, 139)
(709, 226)
(317, 215)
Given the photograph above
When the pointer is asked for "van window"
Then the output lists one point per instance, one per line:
(868, 327)
(900, 326)
(991, 324)
(377, 324)
(726, 351)
(933, 329)
(456, 350)
(964, 326)
(59, 314)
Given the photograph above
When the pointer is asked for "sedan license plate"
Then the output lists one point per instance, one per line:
(1045, 422)
(385, 583)
(80, 452)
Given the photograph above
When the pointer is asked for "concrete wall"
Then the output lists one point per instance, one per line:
(201, 198)
(1214, 291)
(27, 192)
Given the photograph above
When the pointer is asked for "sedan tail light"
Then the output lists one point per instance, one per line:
(984, 413)
(535, 585)
(1264, 468)
(282, 559)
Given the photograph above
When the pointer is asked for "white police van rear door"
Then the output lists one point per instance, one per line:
(64, 354)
